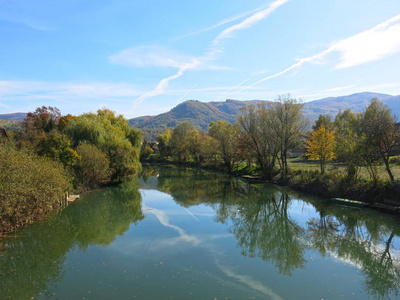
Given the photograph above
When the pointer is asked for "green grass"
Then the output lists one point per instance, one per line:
(301, 163)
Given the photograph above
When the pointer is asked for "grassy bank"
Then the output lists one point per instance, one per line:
(304, 175)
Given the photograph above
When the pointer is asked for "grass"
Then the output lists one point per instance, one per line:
(301, 163)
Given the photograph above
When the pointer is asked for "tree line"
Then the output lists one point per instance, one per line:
(53, 154)
(265, 134)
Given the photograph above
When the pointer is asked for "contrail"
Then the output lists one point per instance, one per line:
(220, 97)
(191, 214)
(185, 94)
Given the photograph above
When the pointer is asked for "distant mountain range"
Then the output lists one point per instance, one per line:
(200, 114)
(17, 117)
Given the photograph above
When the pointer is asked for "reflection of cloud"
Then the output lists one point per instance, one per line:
(250, 282)
(164, 220)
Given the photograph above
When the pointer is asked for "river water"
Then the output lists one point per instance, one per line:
(180, 233)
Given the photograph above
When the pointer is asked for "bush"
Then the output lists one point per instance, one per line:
(93, 167)
(30, 187)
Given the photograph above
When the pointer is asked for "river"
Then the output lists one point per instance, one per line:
(181, 233)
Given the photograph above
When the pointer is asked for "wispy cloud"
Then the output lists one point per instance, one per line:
(367, 46)
(232, 88)
(370, 45)
(248, 22)
(23, 21)
(196, 62)
(68, 90)
(224, 22)
(163, 84)
(150, 56)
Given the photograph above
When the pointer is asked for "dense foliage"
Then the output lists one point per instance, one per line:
(53, 154)
(30, 186)
(265, 135)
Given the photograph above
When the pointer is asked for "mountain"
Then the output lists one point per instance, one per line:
(200, 114)
(356, 102)
(13, 117)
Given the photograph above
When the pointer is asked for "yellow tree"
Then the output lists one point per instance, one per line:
(320, 146)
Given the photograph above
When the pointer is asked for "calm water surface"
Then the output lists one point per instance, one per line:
(180, 233)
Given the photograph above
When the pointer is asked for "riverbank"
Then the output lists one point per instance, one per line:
(383, 195)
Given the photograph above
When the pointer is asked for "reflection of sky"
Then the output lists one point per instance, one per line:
(160, 208)
(178, 240)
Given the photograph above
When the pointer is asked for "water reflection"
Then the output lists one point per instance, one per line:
(260, 220)
(32, 259)
(267, 222)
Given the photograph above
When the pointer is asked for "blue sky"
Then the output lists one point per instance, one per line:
(145, 57)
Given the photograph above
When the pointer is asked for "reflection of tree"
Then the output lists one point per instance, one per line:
(106, 214)
(264, 229)
(194, 186)
(33, 260)
(359, 241)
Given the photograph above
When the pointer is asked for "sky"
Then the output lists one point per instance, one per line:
(145, 57)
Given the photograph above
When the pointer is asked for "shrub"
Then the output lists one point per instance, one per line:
(93, 167)
(30, 187)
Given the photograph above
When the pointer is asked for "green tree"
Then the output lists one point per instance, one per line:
(57, 147)
(93, 167)
(112, 135)
(226, 136)
(164, 143)
(178, 142)
(321, 146)
(287, 126)
(323, 120)
(255, 124)
(193, 144)
(379, 128)
(348, 147)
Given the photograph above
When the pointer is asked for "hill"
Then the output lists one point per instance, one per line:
(17, 117)
(200, 114)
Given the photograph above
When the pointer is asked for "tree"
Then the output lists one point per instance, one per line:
(42, 119)
(323, 120)
(164, 143)
(254, 122)
(379, 128)
(321, 146)
(288, 126)
(93, 167)
(226, 136)
(112, 135)
(178, 141)
(193, 144)
(348, 142)
(57, 147)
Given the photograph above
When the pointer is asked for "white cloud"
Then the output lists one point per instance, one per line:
(163, 84)
(367, 46)
(248, 22)
(370, 45)
(146, 59)
(150, 56)
(227, 21)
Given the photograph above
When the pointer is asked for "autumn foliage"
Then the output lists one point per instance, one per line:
(321, 146)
